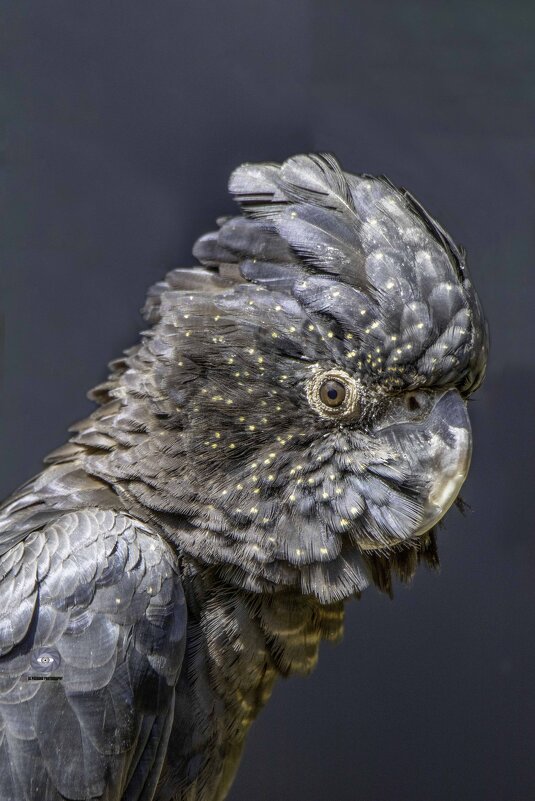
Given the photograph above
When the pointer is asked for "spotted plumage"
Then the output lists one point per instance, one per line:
(289, 429)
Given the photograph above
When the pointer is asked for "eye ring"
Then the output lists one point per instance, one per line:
(334, 394)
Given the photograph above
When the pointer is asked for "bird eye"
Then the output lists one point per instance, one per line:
(332, 393)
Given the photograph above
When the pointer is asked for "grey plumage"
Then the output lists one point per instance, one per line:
(199, 533)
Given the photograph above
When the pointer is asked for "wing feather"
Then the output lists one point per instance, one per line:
(92, 632)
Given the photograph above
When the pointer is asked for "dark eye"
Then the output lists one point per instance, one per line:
(332, 392)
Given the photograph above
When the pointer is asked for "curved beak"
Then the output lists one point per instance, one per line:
(435, 453)
(446, 460)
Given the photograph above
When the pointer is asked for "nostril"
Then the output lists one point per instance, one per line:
(412, 403)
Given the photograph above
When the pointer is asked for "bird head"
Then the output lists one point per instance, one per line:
(297, 413)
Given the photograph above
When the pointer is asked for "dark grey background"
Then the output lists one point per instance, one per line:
(124, 121)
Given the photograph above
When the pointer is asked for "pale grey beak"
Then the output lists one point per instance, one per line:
(448, 456)
(435, 451)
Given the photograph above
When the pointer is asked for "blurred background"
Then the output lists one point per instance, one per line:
(124, 121)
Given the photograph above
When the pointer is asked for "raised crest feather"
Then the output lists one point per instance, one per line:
(307, 201)
(317, 179)
(263, 190)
